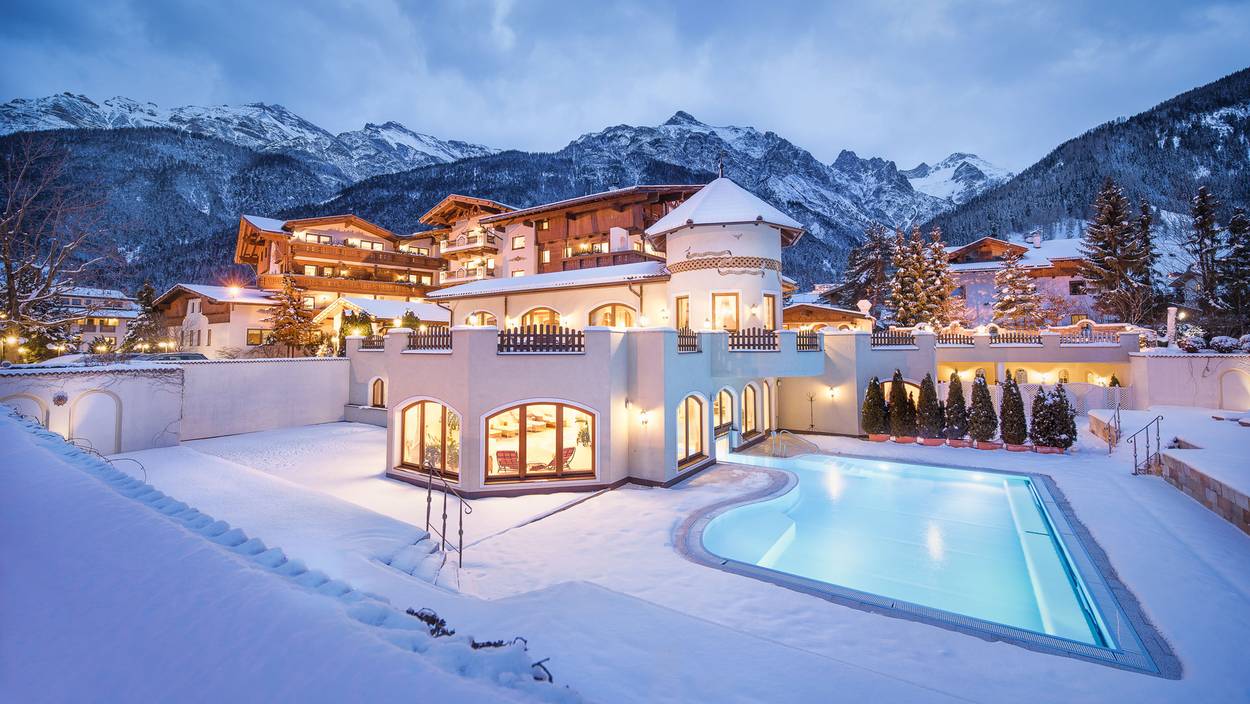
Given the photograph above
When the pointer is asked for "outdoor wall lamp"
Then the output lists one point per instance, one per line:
(642, 417)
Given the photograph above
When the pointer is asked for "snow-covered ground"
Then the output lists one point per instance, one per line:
(599, 588)
(113, 592)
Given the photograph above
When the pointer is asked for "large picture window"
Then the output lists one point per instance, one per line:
(725, 311)
(723, 411)
(613, 315)
(770, 311)
(481, 319)
(689, 430)
(540, 441)
(540, 316)
(683, 312)
(430, 433)
(750, 417)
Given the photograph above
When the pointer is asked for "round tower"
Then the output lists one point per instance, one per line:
(723, 249)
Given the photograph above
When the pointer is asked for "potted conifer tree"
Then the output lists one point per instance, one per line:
(902, 411)
(872, 415)
(1014, 432)
(930, 422)
(1043, 427)
(982, 420)
(956, 414)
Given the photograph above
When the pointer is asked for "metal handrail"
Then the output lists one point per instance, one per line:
(775, 439)
(1113, 433)
(1143, 467)
(465, 509)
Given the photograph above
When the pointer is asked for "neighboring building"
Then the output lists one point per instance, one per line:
(803, 315)
(219, 321)
(337, 255)
(1055, 264)
(386, 314)
(106, 314)
(471, 250)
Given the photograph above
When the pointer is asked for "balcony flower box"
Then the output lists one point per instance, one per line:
(1042, 449)
(932, 442)
(1018, 448)
(905, 440)
(987, 444)
(878, 437)
(959, 442)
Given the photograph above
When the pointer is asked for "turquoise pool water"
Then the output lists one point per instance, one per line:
(977, 544)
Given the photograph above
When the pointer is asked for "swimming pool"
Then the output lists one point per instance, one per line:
(982, 551)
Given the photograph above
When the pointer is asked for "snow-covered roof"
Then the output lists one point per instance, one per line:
(596, 276)
(588, 198)
(826, 306)
(114, 313)
(723, 202)
(1046, 255)
(89, 292)
(804, 297)
(266, 224)
(386, 309)
(223, 294)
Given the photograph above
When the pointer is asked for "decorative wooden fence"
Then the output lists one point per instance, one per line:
(689, 341)
(541, 339)
(1016, 338)
(753, 340)
(953, 338)
(807, 341)
(892, 338)
(373, 342)
(434, 339)
(1091, 338)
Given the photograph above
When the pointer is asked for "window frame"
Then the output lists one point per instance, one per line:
(532, 311)
(377, 393)
(522, 440)
(750, 411)
(770, 308)
(719, 428)
(260, 336)
(681, 309)
(518, 242)
(481, 323)
(737, 309)
(633, 315)
(403, 433)
(686, 458)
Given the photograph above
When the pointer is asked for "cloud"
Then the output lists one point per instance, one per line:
(911, 81)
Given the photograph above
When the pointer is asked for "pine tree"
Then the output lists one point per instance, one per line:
(1203, 245)
(872, 415)
(956, 409)
(982, 420)
(867, 271)
(902, 409)
(929, 420)
(1144, 232)
(290, 322)
(410, 320)
(1236, 273)
(1042, 425)
(1116, 261)
(1016, 302)
(147, 328)
(944, 306)
(1014, 431)
(1065, 418)
(908, 297)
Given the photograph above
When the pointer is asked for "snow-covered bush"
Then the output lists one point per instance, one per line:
(1225, 344)
(1191, 343)
(1245, 343)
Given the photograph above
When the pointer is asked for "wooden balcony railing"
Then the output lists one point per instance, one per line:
(590, 260)
(892, 338)
(753, 340)
(1016, 338)
(467, 242)
(1091, 338)
(362, 255)
(273, 282)
(953, 338)
(807, 341)
(463, 274)
(436, 339)
(373, 342)
(541, 339)
(688, 341)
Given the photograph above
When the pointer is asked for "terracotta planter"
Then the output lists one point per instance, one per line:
(987, 444)
(1018, 448)
(959, 442)
(878, 437)
(1048, 450)
(932, 442)
(905, 440)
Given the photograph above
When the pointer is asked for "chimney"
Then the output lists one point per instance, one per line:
(1036, 239)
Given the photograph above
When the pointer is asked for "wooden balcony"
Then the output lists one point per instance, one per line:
(466, 244)
(591, 260)
(273, 282)
(359, 255)
(460, 276)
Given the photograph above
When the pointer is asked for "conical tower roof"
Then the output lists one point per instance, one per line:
(723, 202)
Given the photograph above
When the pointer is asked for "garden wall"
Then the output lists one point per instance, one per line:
(1166, 377)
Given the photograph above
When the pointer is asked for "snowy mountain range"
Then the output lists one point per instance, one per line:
(957, 178)
(348, 157)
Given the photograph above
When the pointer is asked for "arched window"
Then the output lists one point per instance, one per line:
(1063, 376)
(613, 315)
(1022, 376)
(377, 394)
(689, 430)
(480, 318)
(541, 440)
(430, 433)
(723, 411)
(750, 413)
(768, 406)
(540, 316)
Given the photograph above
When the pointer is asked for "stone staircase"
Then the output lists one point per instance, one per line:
(426, 560)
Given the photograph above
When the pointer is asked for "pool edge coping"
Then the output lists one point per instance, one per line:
(1161, 660)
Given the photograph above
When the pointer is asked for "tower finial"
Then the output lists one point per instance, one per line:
(720, 167)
